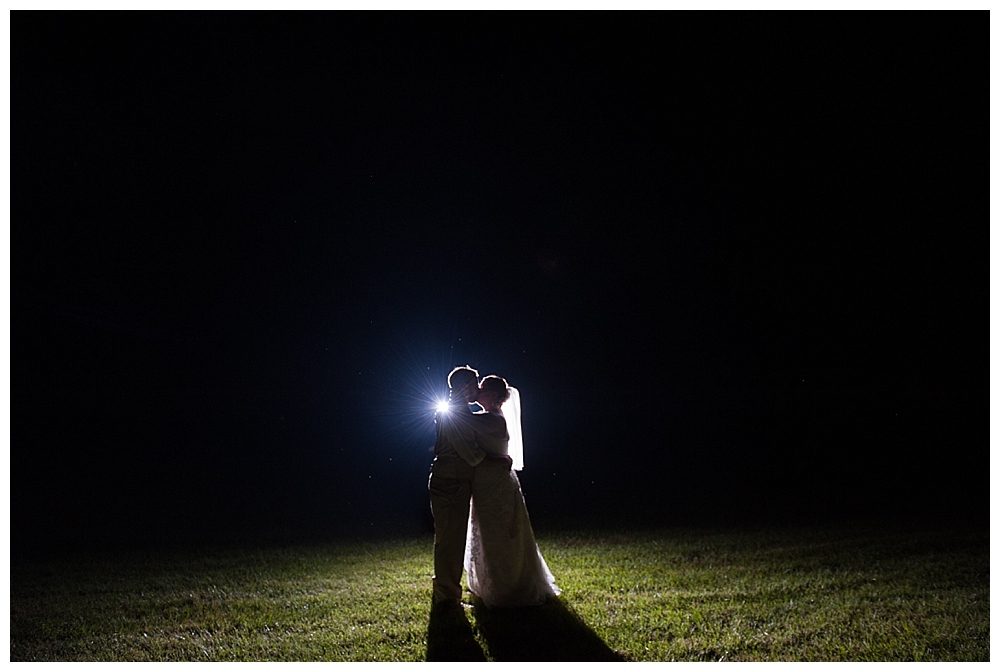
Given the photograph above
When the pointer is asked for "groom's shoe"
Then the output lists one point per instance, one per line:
(444, 602)
(448, 611)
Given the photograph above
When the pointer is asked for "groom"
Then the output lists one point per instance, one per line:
(457, 454)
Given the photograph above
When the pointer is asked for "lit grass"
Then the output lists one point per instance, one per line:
(832, 595)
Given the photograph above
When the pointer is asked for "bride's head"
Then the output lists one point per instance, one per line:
(493, 391)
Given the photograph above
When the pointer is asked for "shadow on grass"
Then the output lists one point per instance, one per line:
(549, 632)
(450, 636)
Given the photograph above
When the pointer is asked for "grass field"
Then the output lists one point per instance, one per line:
(837, 594)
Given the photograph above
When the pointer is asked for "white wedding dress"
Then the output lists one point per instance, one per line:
(503, 564)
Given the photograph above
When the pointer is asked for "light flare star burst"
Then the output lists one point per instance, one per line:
(410, 398)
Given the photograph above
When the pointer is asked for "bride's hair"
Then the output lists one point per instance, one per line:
(496, 384)
(462, 375)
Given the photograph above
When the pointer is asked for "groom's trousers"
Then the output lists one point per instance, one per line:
(450, 488)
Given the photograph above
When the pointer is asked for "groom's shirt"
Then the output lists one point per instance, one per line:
(457, 435)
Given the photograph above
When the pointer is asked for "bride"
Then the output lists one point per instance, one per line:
(504, 566)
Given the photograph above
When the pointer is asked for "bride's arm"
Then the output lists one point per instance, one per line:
(493, 435)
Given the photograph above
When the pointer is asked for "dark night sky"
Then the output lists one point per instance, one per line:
(728, 258)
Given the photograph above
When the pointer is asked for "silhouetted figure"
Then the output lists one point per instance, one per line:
(504, 566)
(457, 453)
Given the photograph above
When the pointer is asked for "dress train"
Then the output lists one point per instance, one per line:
(502, 560)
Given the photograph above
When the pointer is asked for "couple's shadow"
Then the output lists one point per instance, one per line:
(549, 632)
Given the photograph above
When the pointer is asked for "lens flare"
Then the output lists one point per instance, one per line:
(404, 400)
(442, 407)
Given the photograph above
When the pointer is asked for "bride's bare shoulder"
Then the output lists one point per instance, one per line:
(491, 419)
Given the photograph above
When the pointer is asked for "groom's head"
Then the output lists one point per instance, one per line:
(463, 381)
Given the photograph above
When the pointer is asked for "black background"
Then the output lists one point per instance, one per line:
(730, 260)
